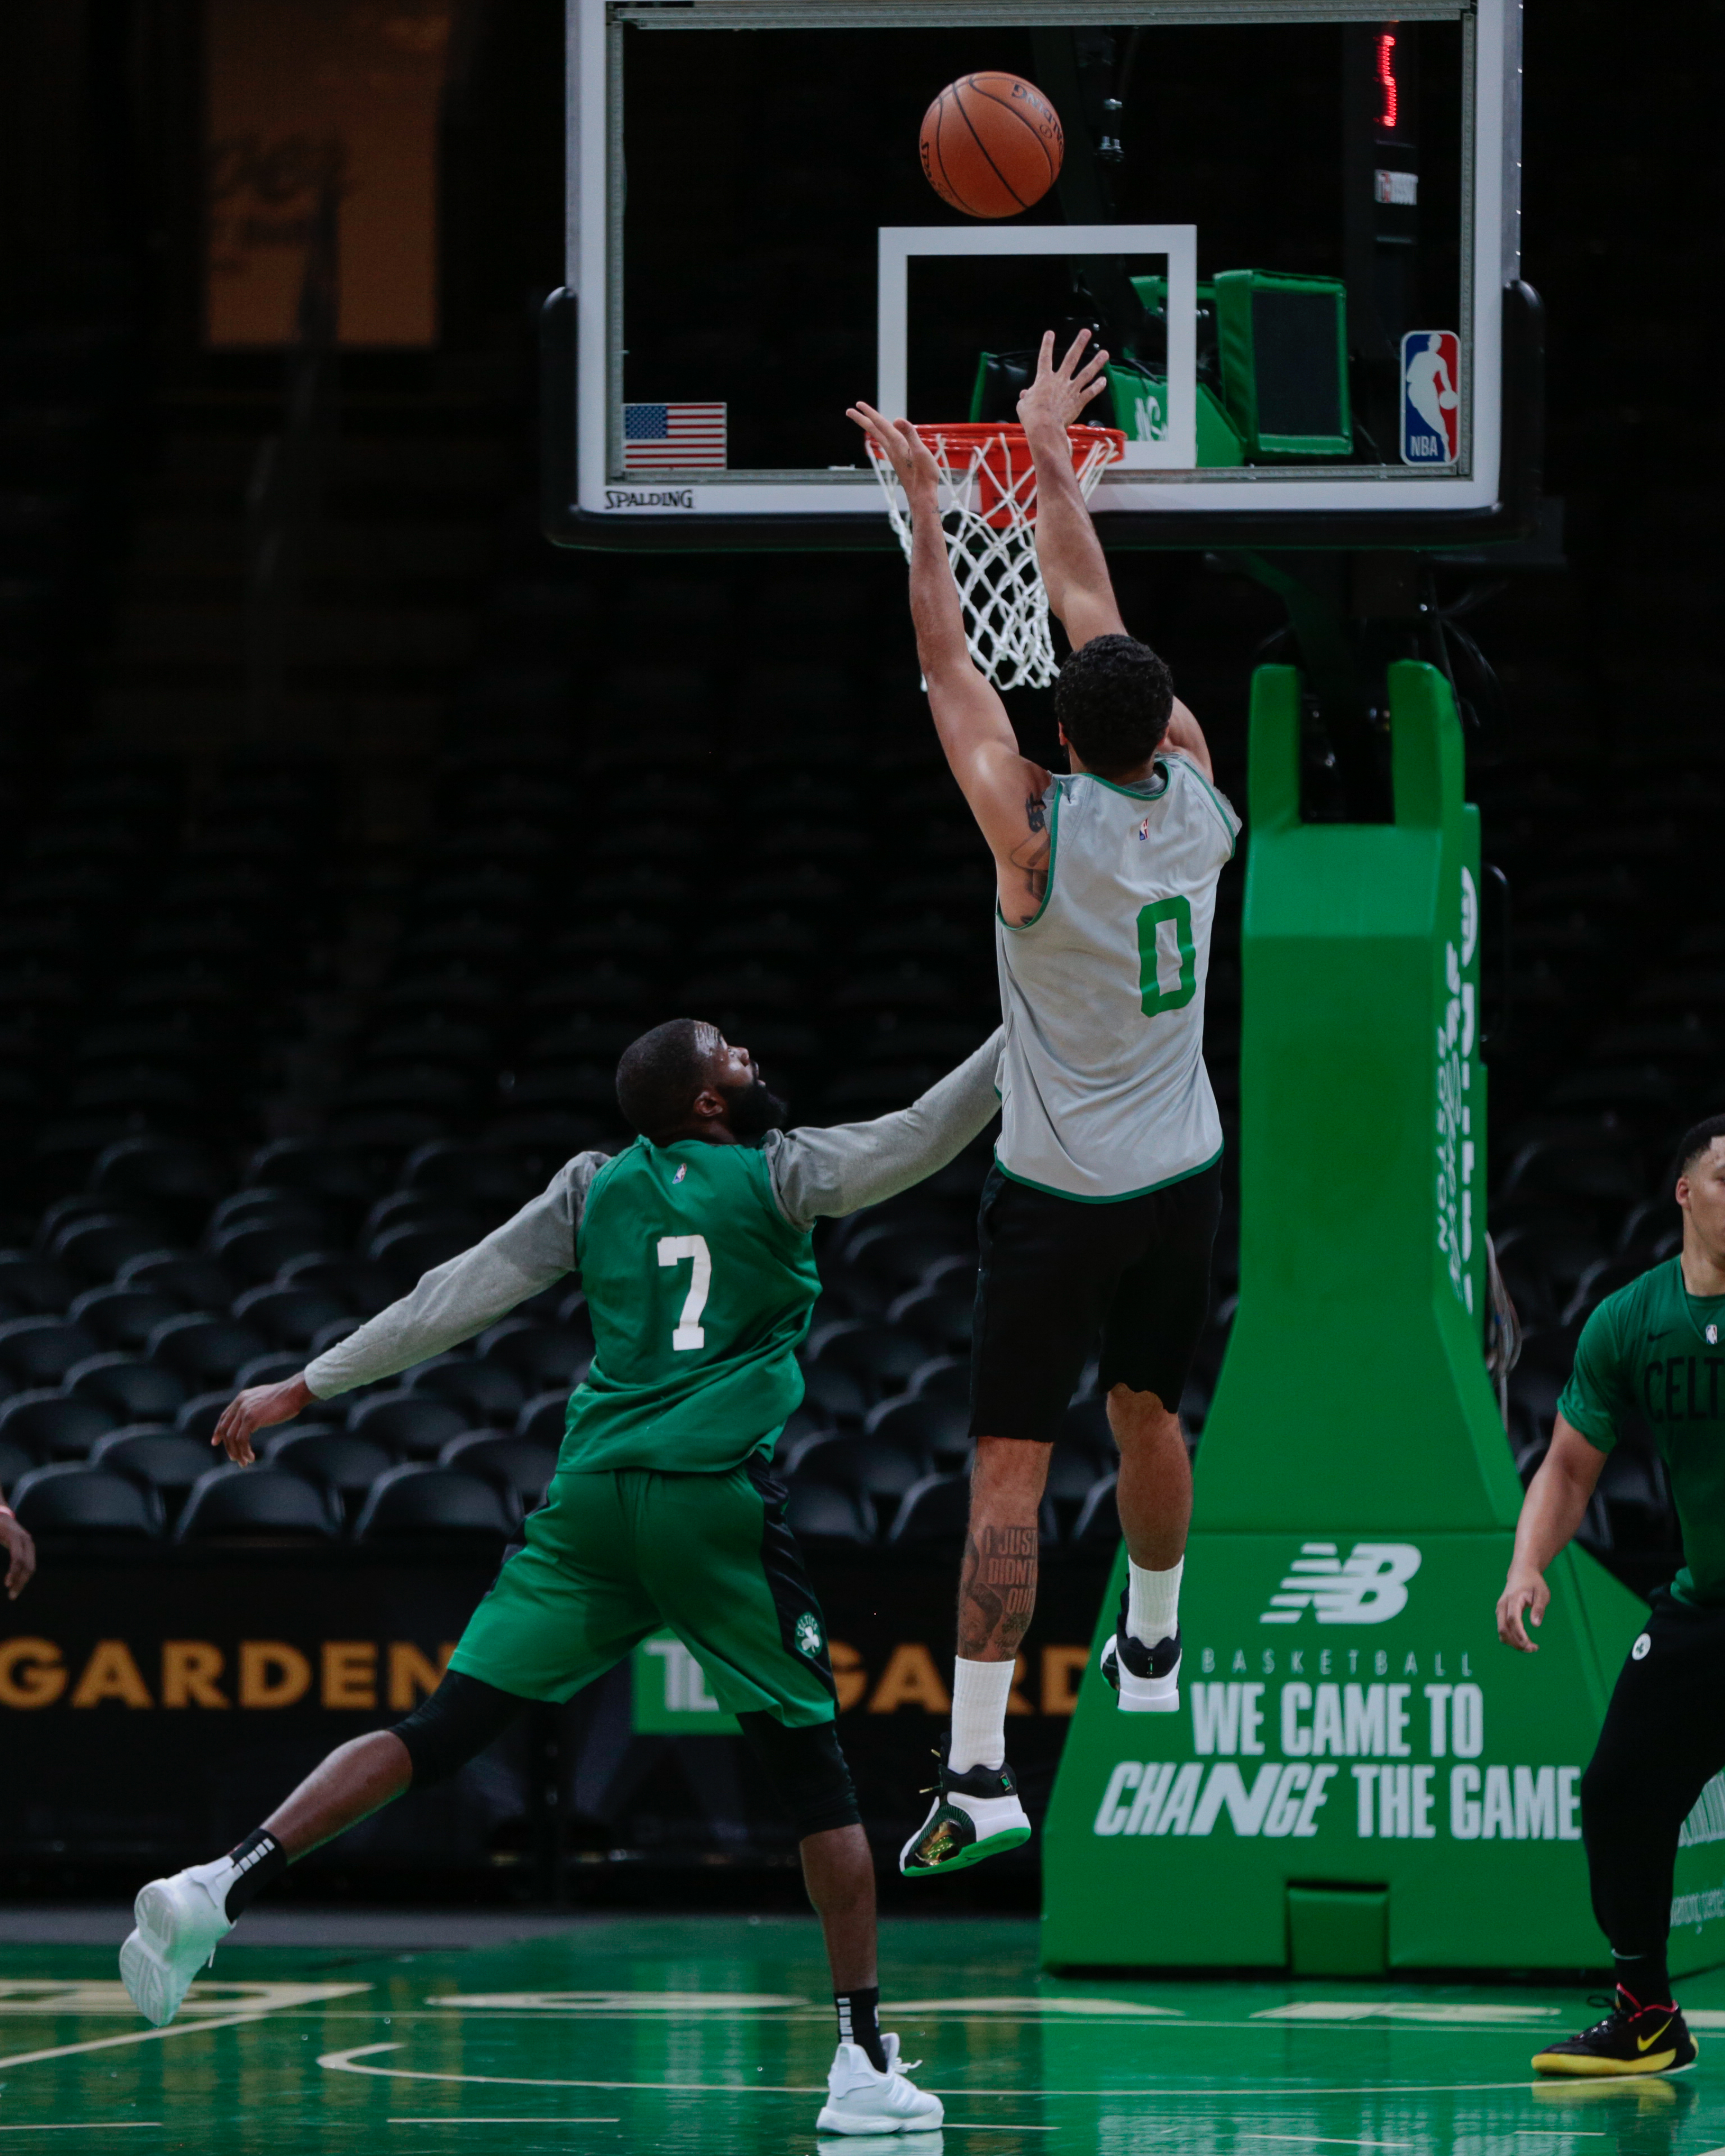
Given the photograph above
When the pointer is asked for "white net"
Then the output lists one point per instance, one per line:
(988, 513)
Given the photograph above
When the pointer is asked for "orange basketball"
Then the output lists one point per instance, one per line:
(992, 144)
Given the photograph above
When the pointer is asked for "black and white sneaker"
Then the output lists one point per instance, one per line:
(976, 1814)
(1147, 1679)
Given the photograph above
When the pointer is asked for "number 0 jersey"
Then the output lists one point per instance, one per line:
(1655, 1352)
(1104, 1093)
(700, 1292)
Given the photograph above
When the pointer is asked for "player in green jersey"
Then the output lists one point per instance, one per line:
(1654, 1353)
(694, 1247)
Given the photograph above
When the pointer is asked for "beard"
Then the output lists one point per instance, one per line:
(753, 1110)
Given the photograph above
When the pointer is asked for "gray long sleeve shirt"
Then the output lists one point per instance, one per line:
(815, 1174)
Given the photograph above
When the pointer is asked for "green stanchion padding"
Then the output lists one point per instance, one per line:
(1348, 1723)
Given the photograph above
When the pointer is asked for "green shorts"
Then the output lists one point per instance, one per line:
(613, 1557)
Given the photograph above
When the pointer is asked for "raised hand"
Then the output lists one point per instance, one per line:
(258, 1407)
(905, 450)
(1060, 393)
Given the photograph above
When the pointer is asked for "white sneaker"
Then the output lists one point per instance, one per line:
(860, 2100)
(976, 1814)
(179, 1923)
(1147, 1679)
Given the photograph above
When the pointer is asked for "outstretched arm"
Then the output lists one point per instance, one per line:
(819, 1173)
(451, 1303)
(17, 1552)
(1081, 592)
(1005, 789)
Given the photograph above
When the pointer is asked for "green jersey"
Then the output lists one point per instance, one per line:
(1653, 1349)
(700, 1291)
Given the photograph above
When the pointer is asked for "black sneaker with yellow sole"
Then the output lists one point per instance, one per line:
(1632, 2038)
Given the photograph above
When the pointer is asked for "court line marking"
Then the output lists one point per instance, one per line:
(512, 2118)
(135, 2036)
(1325, 2140)
(346, 2062)
(87, 2125)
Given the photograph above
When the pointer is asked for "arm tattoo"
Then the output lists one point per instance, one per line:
(997, 1592)
(1032, 858)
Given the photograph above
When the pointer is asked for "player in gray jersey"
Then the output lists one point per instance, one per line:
(1098, 1216)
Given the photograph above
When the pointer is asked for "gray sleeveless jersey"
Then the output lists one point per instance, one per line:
(1104, 1093)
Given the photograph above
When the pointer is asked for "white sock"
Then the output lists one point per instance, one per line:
(1153, 1603)
(980, 1690)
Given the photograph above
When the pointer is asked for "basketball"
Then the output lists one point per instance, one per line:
(992, 144)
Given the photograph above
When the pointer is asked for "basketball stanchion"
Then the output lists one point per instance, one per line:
(988, 512)
(1359, 1776)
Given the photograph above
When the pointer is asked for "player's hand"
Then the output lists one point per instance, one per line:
(905, 450)
(258, 1407)
(1059, 393)
(1525, 1595)
(20, 1555)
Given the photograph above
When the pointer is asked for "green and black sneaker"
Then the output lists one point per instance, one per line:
(976, 1814)
(1632, 2038)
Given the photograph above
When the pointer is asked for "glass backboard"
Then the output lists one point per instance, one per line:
(1294, 225)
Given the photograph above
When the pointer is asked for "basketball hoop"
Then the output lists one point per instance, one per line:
(988, 513)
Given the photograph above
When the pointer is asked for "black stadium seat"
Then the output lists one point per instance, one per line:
(518, 1465)
(421, 1500)
(257, 1501)
(95, 1248)
(881, 1360)
(36, 1286)
(817, 1512)
(197, 1417)
(256, 1250)
(411, 1424)
(289, 1317)
(136, 1391)
(486, 1392)
(124, 1317)
(54, 1426)
(354, 1282)
(541, 1356)
(1097, 1525)
(197, 1283)
(936, 1509)
(337, 1460)
(72, 1498)
(205, 1351)
(878, 1472)
(926, 1423)
(40, 1351)
(161, 1460)
(14, 1462)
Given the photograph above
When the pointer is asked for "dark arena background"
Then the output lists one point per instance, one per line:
(349, 830)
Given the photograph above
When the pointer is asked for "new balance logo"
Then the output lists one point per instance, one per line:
(1368, 1586)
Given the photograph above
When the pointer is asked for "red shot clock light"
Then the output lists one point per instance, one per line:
(1389, 101)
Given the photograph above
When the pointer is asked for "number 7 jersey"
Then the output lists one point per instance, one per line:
(700, 1292)
(1104, 1095)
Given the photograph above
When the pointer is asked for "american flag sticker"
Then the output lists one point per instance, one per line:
(674, 438)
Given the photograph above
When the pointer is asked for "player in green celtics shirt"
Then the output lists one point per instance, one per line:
(694, 1248)
(1653, 1354)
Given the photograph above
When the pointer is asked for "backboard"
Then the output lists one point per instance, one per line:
(1294, 223)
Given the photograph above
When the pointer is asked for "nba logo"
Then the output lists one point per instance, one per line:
(1431, 396)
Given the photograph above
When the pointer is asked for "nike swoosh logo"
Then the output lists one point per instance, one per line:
(1646, 2043)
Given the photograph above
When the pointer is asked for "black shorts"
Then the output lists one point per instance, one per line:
(1056, 1273)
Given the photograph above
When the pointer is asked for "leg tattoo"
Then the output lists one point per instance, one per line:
(997, 1592)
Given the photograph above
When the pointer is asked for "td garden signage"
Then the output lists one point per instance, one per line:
(1348, 1718)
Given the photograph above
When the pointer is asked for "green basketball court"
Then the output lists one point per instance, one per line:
(686, 2034)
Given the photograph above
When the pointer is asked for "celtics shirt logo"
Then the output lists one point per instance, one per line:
(808, 1634)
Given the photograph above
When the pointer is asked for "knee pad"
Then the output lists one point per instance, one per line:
(807, 1770)
(455, 1725)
